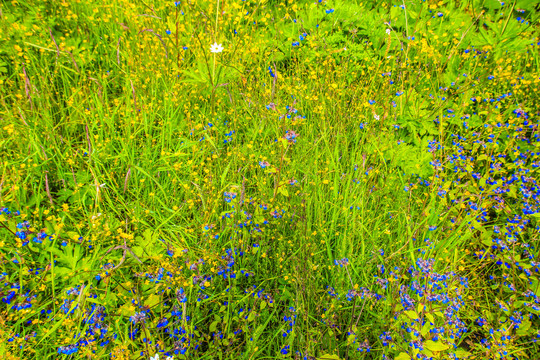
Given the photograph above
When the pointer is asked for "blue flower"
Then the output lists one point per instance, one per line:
(68, 350)
(181, 295)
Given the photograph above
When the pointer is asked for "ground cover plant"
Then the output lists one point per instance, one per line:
(269, 179)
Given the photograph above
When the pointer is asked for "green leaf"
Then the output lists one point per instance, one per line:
(252, 316)
(125, 310)
(213, 326)
(138, 250)
(152, 300)
(460, 353)
(402, 356)
(435, 346)
(524, 327)
(224, 175)
(412, 314)
(283, 190)
(329, 357)
(425, 329)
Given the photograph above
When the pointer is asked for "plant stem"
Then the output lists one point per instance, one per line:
(217, 14)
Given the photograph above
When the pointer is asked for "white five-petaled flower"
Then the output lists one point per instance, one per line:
(216, 48)
(377, 117)
(388, 31)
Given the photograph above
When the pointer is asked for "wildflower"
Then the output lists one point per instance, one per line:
(290, 136)
(342, 262)
(386, 338)
(216, 48)
(388, 31)
(264, 164)
(351, 294)
(329, 11)
(364, 347)
(68, 350)
(417, 344)
(181, 295)
(162, 323)
(425, 265)
(138, 317)
(156, 357)
(229, 196)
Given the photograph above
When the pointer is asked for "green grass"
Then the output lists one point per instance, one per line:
(321, 189)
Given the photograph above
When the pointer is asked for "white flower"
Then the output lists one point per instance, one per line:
(169, 358)
(376, 116)
(216, 48)
(388, 31)
(155, 357)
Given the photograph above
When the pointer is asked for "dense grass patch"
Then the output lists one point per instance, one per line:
(269, 179)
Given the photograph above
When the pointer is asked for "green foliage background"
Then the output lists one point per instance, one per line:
(286, 185)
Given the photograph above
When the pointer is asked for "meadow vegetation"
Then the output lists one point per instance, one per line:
(274, 179)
